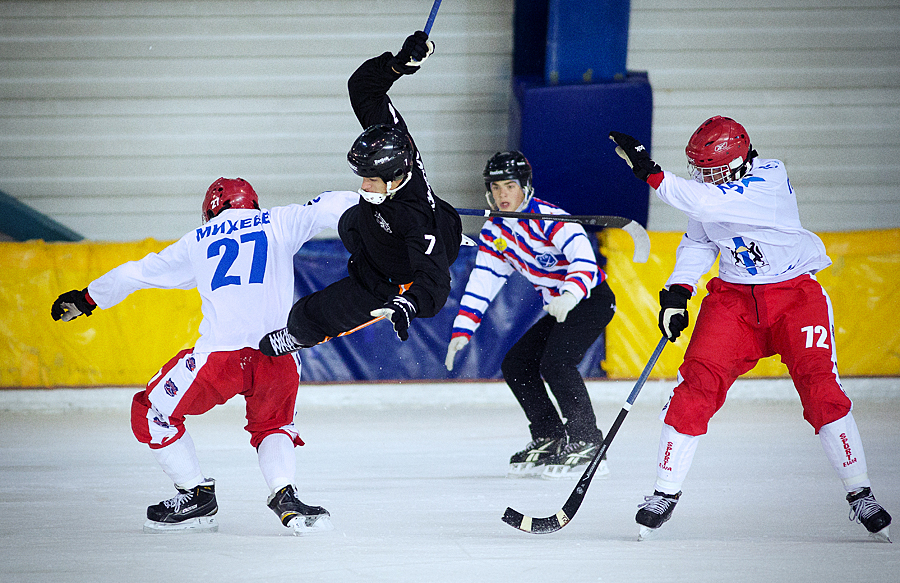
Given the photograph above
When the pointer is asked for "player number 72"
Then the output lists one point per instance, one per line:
(811, 332)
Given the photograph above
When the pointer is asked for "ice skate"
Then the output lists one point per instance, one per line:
(531, 460)
(654, 512)
(866, 510)
(278, 343)
(572, 460)
(189, 511)
(296, 515)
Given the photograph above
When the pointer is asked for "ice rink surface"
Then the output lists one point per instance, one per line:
(413, 476)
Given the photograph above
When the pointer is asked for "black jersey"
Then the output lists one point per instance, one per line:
(412, 237)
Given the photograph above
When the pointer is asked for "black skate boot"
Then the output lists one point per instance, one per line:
(190, 510)
(298, 516)
(864, 509)
(279, 342)
(654, 512)
(531, 460)
(573, 459)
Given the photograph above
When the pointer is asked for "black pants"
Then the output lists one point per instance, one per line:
(340, 307)
(554, 350)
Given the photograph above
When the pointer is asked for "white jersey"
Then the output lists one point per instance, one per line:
(555, 257)
(753, 223)
(241, 262)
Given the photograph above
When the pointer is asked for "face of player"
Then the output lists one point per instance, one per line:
(375, 185)
(508, 195)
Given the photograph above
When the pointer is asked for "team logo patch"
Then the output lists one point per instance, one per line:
(382, 222)
(159, 421)
(190, 363)
(546, 260)
(749, 256)
(170, 388)
(500, 244)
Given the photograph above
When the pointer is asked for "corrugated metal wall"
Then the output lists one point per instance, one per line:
(116, 116)
(816, 84)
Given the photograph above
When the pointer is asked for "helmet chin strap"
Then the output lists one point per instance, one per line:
(528, 190)
(392, 192)
(377, 197)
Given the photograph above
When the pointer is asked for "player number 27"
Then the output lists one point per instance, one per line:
(229, 249)
(811, 332)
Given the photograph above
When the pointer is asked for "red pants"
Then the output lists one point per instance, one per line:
(739, 324)
(193, 383)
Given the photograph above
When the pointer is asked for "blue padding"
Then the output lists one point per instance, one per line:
(586, 41)
(564, 129)
(375, 352)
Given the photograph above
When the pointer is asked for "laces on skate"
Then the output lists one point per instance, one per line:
(865, 510)
(279, 342)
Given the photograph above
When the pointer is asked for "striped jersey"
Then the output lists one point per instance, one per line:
(555, 257)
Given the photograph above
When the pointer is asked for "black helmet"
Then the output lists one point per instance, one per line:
(512, 165)
(382, 151)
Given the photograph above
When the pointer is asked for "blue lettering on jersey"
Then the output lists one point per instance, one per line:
(227, 227)
(739, 185)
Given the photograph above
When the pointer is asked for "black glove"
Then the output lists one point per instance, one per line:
(673, 315)
(72, 304)
(633, 152)
(401, 312)
(416, 48)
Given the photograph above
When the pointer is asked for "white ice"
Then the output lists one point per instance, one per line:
(413, 475)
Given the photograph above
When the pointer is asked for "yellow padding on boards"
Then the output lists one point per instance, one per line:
(862, 284)
(122, 346)
(127, 344)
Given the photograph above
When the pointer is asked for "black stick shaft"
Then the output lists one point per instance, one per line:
(594, 220)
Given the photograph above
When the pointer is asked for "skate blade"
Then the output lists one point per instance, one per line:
(199, 524)
(883, 535)
(647, 533)
(569, 473)
(307, 525)
(524, 470)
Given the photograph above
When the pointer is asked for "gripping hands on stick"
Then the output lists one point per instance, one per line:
(72, 304)
(633, 151)
(416, 48)
(456, 344)
(673, 314)
(400, 311)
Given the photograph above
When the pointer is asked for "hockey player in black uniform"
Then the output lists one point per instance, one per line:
(402, 238)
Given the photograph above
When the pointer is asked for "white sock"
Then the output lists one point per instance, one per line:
(277, 461)
(843, 446)
(676, 453)
(179, 461)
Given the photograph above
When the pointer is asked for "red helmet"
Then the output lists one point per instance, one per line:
(228, 193)
(718, 150)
